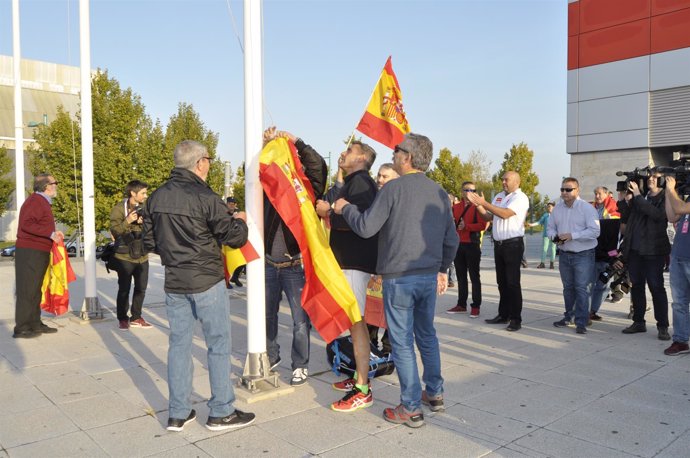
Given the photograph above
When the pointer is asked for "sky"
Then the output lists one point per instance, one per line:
(476, 75)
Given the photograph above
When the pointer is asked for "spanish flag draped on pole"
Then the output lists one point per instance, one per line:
(235, 257)
(385, 120)
(54, 291)
(327, 297)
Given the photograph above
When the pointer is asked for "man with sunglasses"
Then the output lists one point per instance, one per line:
(574, 227)
(508, 211)
(36, 233)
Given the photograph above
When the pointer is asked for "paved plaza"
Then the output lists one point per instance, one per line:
(93, 390)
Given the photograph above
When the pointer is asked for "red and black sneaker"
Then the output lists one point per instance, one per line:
(353, 400)
(344, 385)
(400, 415)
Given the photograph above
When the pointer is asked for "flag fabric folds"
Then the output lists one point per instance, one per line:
(54, 291)
(327, 297)
(384, 119)
(235, 257)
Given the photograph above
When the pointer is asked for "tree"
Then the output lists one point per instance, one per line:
(518, 159)
(186, 124)
(6, 183)
(238, 188)
(450, 171)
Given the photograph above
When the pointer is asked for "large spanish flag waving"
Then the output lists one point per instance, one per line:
(327, 297)
(385, 119)
(54, 291)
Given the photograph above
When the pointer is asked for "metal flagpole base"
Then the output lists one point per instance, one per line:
(91, 309)
(258, 379)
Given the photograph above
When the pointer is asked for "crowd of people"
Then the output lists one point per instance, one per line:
(401, 227)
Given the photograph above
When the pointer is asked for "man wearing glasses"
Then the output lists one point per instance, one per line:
(508, 211)
(36, 233)
(574, 227)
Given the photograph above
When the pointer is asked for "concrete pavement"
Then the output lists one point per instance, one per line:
(92, 390)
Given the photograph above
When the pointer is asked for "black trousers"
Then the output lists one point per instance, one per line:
(30, 267)
(467, 260)
(374, 338)
(125, 272)
(508, 257)
(648, 270)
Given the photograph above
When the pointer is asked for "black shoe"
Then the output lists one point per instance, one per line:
(514, 326)
(562, 323)
(663, 333)
(237, 419)
(26, 334)
(45, 329)
(524, 263)
(237, 282)
(593, 316)
(498, 319)
(177, 424)
(228, 286)
(634, 328)
(581, 330)
(275, 364)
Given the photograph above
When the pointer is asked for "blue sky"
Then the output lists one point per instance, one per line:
(475, 75)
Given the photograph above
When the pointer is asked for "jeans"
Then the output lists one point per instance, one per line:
(409, 304)
(125, 272)
(576, 274)
(212, 309)
(508, 257)
(289, 280)
(649, 270)
(467, 260)
(548, 244)
(680, 292)
(599, 289)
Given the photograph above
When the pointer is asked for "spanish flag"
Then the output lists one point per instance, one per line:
(54, 291)
(235, 257)
(327, 297)
(385, 120)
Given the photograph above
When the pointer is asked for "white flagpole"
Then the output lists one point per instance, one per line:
(18, 122)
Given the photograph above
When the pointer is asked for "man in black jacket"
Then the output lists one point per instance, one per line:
(645, 248)
(185, 222)
(283, 267)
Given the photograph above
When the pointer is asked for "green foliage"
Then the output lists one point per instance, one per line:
(6, 182)
(450, 171)
(238, 188)
(519, 159)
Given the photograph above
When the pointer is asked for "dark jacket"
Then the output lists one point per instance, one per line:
(185, 222)
(645, 231)
(125, 233)
(316, 171)
(607, 242)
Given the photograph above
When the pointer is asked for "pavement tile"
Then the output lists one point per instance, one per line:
(140, 436)
(112, 408)
(547, 443)
(464, 382)
(373, 445)
(105, 363)
(679, 447)
(35, 425)
(69, 389)
(249, 442)
(186, 451)
(52, 372)
(21, 399)
(77, 444)
(480, 424)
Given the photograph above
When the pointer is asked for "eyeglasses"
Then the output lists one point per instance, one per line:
(469, 190)
(53, 182)
(206, 157)
(398, 149)
(568, 189)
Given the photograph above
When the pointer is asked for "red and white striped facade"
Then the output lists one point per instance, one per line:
(628, 83)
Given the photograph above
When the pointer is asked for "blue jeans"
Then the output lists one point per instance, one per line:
(212, 308)
(576, 274)
(599, 289)
(680, 292)
(289, 280)
(409, 304)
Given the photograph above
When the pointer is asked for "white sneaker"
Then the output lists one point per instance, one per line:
(299, 376)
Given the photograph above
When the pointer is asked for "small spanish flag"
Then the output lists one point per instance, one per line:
(235, 257)
(54, 291)
(385, 120)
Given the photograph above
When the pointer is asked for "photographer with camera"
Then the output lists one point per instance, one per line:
(131, 260)
(644, 250)
(678, 211)
(574, 227)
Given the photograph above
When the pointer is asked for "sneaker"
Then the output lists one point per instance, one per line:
(677, 348)
(345, 385)
(237, 419)
(353, 400)
(435, 403)
(594, 317)
(562, 323)
(551, 266)
(541, 266)
(635, 328)
(124, 325)
(475, 312)
(177, 424)
(139, 323)
(400, 416)
(581, 330)
(299, 376)
(457, 309)
(663, 333)
(228, 286)
(451, 284)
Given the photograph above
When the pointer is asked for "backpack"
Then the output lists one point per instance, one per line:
(107, 256)
(341, 357)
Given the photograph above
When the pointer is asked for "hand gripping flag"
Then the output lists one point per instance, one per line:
(327, 297)
(235, 257)
(54, 291)
(385, 120)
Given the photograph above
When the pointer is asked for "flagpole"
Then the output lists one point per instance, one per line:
(19, 192)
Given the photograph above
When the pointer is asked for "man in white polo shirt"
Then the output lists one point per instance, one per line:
(508, 211)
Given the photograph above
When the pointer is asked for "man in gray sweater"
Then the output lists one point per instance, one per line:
(417, 243)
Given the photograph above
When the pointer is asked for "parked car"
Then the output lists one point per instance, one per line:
(8, 251)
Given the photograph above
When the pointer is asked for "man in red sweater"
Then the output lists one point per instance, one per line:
(469, 226)
(35, 236)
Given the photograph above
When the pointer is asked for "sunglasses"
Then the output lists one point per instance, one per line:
(568, 189)
(469, 190)
(400, 150)
(53, 182)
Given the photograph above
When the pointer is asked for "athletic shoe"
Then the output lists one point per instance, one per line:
(663, 333)
(451, 284)
(235, 420)
(177, 424)
(344, 385)
(677, 348)
(562, 323)
(139, 323)
(635, 328)
(541, 266)
(593, 316)
(435, 403)
(353, 400)
(581, 330)
(457, 309)
(124, 325)
(299, 376)
(475, 312)
(401, 416)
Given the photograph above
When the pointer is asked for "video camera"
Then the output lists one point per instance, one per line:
(619, 274)
(639, 176)
(680, 170)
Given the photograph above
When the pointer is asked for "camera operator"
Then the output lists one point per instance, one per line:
(645, 247)
(679, 211)
(131, 261)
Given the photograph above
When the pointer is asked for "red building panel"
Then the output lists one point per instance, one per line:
(574, 19)
(666, 6)
(670, 31)
(614, 43)
(599, 14)
(572, 53)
